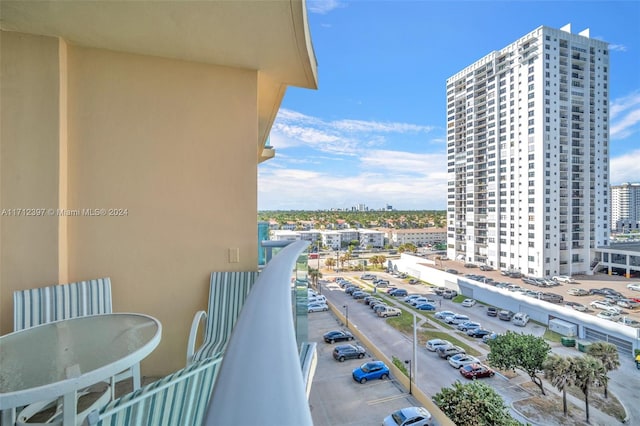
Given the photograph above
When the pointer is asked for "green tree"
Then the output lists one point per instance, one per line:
(474, 403)
(524, 351)
(608, 355)
(557, 369)
(588, 372)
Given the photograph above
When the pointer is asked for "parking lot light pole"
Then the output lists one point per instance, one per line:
(408, 361)
(346, 307)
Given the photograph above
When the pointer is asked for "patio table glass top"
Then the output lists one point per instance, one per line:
(72, 353)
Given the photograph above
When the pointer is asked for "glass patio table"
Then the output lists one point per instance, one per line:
(59, 358)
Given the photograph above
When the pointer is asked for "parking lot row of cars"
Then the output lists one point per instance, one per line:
(469, 366)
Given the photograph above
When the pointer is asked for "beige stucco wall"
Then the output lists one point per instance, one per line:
(173, 143)
(29, 166)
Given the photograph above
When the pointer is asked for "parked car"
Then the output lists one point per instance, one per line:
(492, 311)
(409, 416)
(389, 311)
(468, 325)
(606, 306)
(382, 283)
(367, 277)
(370, 370)
(350, 289)
(359, 294)
(609, 315)
(577, 306)
(452, 271)
(492, 336)
(628, 303)
(317, 307)
(439, 290)
(634, 286)
(470, 265)
(577, 291)
(399, 292)
(562, 279)
(337, 336)
(467, 303)
(449, 294)
(413, 281)
(426, 307)
(486, 268)
(551, 297)
(505, 315)
(343, 352)
(447, 351)
(456, 319)
(317, 298)
(475, 371)
(478, 332)
(434, 344)
(443, 314)
(380, 307)
(629, 322)
(457, 361)
(410, 297)
(521, 319)
(420, 300)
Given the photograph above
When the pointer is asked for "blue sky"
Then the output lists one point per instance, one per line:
(374, 131)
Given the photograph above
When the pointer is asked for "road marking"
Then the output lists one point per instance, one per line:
(386, 399)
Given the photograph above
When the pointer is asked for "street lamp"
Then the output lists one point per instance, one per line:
(408, 361)
(318, 272)
(346, 307)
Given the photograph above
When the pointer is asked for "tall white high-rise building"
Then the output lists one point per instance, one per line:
(625, 206)
(528, 155)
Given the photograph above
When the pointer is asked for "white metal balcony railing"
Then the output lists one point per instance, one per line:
(261, 372)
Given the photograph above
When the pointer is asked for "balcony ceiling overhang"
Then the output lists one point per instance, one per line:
(271, 37)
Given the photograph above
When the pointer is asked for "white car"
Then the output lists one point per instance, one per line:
(460, 360)
(413, 416)
(434, 344)
(467, 303)
(562, 279)
(634, 286)
(605, 306)
(317, 307)
(443, 314)
(611, 316)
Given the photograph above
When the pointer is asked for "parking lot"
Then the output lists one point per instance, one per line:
(336, 399)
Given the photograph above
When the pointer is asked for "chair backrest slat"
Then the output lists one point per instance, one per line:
(227, 294)
(57, 302)
(180, 398)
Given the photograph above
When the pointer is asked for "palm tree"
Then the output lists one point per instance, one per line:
(330, 262)
(315, 274)
(557, 369)
(608, 355)
(588, 371)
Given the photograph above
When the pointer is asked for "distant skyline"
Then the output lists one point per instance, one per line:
(374, 131)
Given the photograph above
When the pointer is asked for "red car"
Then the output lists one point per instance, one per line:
(474, 371)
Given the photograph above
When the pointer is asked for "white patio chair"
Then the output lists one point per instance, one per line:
(227, 294)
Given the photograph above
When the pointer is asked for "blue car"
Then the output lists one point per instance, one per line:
(371, 370)
(426, 307)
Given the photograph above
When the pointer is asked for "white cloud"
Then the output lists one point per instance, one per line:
(625, 168)
(300, 189)
(618, 47)
(323, 7)
(625, 116)
(346, 137)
